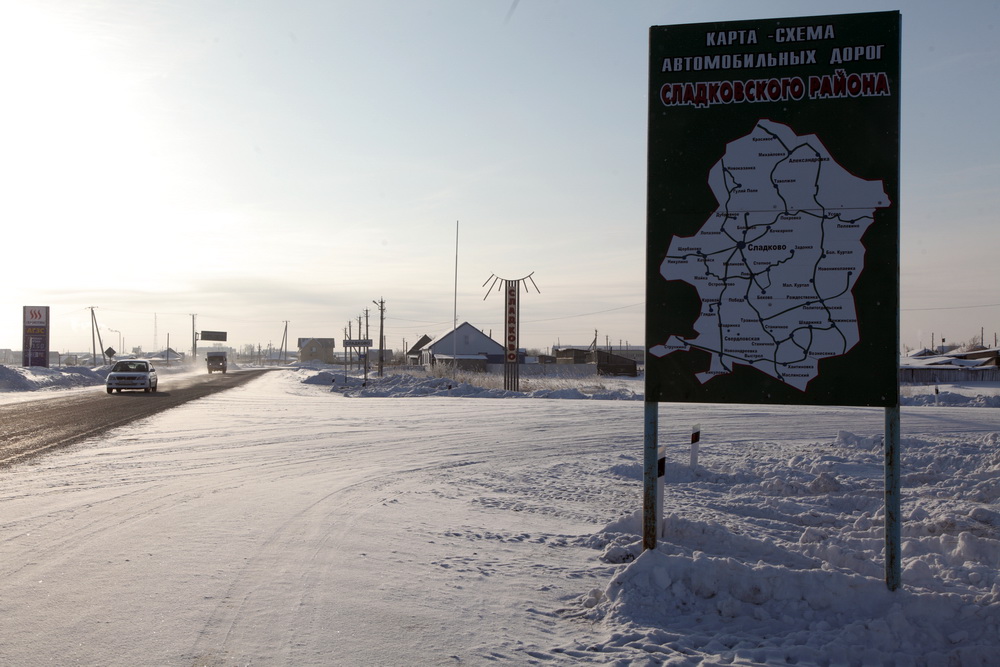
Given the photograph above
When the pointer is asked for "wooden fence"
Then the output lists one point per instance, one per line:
(931, 375)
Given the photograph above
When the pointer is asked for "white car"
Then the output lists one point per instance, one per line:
(132, 374)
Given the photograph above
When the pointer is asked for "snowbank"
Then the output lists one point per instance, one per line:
(951, 398)
(409, 386)
(746, 612)
(16, 379)
(17, 382)
(35, 378)
(779, 559)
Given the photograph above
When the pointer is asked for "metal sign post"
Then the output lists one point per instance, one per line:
(649, 473)
(893, 519)
(359, 344)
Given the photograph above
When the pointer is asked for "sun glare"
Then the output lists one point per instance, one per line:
(77, 155)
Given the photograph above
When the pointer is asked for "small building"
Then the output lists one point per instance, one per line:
(465, 346)
(976, 366)
(322, 350)
(607, 363)
(168, 356)
(371, 356)
(572, 355)
(413, 354)
(990, 355)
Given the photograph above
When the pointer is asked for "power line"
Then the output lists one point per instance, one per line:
(596, 312)
(548, 319)
(984, 305)
(403, 319)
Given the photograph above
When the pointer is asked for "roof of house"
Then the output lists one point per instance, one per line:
(419, 344)
(942, 361)
(461, 326)
(978, 350)
(325, 342)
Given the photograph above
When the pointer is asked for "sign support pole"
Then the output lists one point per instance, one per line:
(893, 524)
(651, 419)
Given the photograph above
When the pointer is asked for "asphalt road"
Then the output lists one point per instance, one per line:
(31, 428)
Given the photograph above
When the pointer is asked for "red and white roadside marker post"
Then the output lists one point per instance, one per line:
(695, 439)
(661, 468)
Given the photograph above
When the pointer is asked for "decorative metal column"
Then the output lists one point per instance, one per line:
(511, 326)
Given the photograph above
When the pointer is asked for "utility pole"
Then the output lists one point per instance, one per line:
(194, 339)
(93, 341)
(95, 330)
(381, 324)
(369, 348)
(284, 344)
(362, 364)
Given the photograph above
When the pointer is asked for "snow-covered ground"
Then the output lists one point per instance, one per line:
(303, 519)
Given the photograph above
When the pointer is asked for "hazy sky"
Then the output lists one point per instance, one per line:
(262, 161)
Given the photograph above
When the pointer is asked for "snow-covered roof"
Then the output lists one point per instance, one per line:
(942, 361)
(437, 339)
(475, 334)
(420, 344)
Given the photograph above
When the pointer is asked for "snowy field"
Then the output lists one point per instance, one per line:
(305, 519)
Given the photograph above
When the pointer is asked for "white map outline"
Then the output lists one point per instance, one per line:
(776, 263)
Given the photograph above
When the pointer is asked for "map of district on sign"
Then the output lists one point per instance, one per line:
(775, 264)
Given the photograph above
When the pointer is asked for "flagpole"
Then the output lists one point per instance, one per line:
(454, 328)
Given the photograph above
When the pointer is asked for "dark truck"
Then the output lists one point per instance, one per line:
(216, 361)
